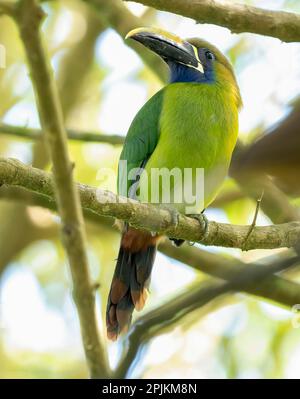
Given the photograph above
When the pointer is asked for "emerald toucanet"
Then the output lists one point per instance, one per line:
(192, 123)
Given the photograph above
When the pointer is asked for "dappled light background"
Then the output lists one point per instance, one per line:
(102, 85)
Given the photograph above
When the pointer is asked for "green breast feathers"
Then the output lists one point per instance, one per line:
(183, 138)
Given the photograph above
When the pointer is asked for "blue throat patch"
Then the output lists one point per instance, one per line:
(183, 73)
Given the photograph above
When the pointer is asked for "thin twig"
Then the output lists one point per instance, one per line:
(34, 134)
(253, 224)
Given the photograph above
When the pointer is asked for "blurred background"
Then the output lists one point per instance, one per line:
(103, 83)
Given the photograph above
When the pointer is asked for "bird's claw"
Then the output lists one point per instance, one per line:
(173, 213)
(174, 223)
(203, 221)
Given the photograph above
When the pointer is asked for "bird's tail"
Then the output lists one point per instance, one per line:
(129, 287)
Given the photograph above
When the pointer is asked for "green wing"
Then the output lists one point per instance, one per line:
(140, 141)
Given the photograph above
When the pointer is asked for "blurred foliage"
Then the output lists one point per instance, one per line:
(236, 336)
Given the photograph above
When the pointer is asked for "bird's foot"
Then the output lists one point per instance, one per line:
(173, 213)
(177, 242)
(204, 224)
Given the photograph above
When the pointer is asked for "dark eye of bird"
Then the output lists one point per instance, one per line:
(209, 55)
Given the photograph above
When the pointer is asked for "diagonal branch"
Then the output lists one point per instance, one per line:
(274, 288)
(151, 217)
(236, 17)
(160, 319)
(29, 16)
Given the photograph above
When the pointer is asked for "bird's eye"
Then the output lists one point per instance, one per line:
(209, 55)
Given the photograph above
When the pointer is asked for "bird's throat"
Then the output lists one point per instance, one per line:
(184, 74)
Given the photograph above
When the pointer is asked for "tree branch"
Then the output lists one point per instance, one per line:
(236, 17)
(160, 319)
(151, 217)
(29, 17)
(275, 288)
(30, 133)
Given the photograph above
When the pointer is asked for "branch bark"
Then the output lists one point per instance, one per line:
(236, 17)
(151, 217)
(29, 16)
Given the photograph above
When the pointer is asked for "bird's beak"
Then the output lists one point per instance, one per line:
(168, 46)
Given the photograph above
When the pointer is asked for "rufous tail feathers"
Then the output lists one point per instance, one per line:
(129, 287)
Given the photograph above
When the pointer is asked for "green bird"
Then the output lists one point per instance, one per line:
(190, 124)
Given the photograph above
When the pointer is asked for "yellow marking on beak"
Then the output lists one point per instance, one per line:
(156, 31)
(200, 66)
(167, 35)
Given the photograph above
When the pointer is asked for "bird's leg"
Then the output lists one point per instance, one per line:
(173, 212)
(177, 242)
(203, 221)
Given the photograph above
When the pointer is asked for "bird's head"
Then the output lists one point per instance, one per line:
(191, 60)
